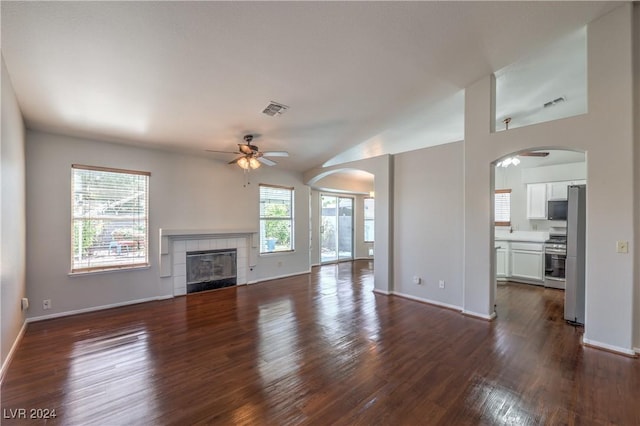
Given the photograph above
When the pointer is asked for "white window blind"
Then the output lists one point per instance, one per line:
(276, 219)
(369, 219)
(503, 207)
(109, 218)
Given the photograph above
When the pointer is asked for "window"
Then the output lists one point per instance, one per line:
(276, 219)
(503, 207)
(109, 228)
(368, 219)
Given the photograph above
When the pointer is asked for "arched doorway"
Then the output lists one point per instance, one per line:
(531, 228)
(342, 216)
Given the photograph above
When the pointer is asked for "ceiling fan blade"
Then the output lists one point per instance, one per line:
(223, 152)
(275, 154)
(266, 161)
(534, 154)
(245, 149)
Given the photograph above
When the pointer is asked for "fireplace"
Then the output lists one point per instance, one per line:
(211, 269)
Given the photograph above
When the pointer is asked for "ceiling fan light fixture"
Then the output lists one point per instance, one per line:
(254, 163)
(243, 163)
(508, 161)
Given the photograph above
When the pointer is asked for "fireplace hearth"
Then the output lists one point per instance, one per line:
(211, 269)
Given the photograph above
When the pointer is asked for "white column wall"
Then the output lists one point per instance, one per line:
(605, 133)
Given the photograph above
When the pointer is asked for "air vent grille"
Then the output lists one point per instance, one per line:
(555, 101)
(274, 108)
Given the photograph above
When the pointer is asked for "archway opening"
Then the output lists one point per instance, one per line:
(342, 211)
(534, 227)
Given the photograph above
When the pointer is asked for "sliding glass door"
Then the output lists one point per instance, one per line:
(336, 228)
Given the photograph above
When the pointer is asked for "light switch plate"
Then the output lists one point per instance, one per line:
(622, 247)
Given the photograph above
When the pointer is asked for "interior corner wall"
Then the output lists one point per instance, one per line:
(605, 133)
(185, 192)
(428, 224)
(12, 218)
(636, 74)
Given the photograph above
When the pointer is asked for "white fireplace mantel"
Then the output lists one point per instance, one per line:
(175, 242)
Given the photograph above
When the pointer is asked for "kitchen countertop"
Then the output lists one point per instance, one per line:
(523, 236)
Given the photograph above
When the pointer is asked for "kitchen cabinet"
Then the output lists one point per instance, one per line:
(527, 262)
(536, 201)
(502, 259)
(559, 190)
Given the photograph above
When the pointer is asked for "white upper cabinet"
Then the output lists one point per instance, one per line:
(537, 201)
(557, 190)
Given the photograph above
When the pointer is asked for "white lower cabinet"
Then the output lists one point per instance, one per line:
(502, 259)
(527, 262)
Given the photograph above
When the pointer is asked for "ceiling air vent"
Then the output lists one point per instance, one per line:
(274, 109)
(555, 101)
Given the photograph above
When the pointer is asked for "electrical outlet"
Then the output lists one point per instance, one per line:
(441, 283)
(25, 303)
(622, 246)
(46, 304)
(417, 280)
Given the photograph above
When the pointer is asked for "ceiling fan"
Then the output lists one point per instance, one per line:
(250, 155)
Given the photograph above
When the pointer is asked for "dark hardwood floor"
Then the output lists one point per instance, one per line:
(319, 349)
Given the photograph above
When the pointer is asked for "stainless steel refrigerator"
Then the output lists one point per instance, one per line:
(575, 263)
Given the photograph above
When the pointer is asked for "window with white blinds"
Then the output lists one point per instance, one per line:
(369, 219)
(276, 219)
(109, 228)
(502, 207)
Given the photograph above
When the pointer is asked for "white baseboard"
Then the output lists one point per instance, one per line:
(98, 308)
(481, 316)
(12, 351)
(609, 348)
(282, 276)
(383, 292)
(428, 301)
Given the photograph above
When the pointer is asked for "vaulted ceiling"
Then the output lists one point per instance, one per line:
(191, 76)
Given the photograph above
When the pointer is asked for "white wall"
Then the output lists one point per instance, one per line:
(428, 223)
(340, 182)
(12, 218)
(636, 72)
(606, 135)
(186, 192)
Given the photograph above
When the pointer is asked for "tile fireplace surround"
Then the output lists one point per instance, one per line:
(175, 243)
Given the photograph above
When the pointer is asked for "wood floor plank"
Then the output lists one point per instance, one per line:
(319, 349)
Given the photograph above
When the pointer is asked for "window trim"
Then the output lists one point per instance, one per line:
(364, 220)
(291, 218)
(115, 267)
(502, 191)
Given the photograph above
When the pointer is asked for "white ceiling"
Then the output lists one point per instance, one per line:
(190, 76)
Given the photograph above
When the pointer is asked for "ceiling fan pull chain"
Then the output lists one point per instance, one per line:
(246, 178)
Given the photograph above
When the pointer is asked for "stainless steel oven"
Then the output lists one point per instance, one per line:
(555, 257)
